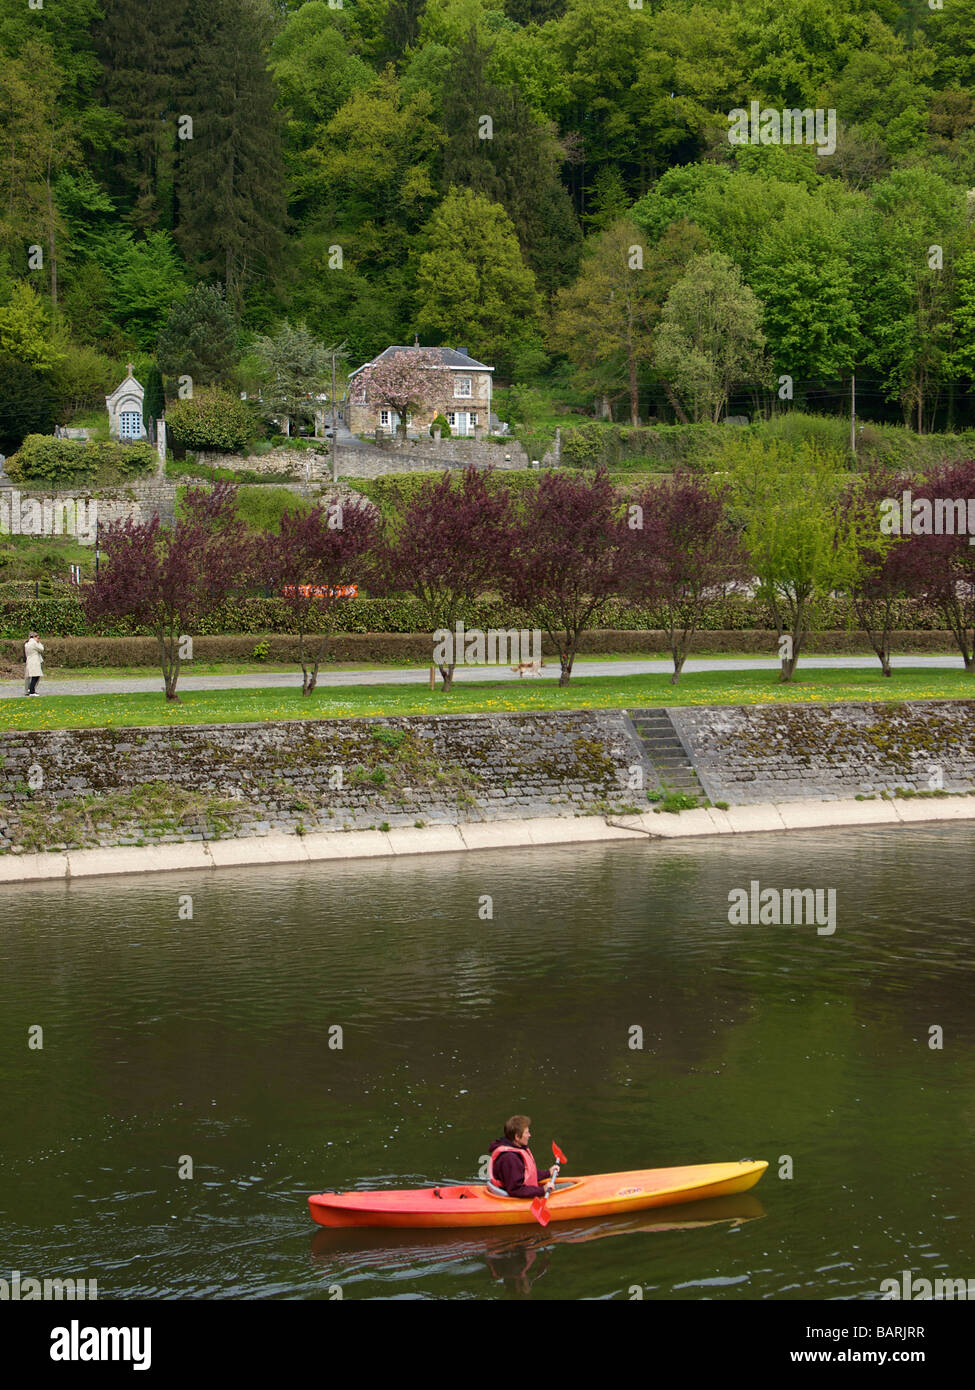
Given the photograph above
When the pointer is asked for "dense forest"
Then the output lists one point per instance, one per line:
(549, 183)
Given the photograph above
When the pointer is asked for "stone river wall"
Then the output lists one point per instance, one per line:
(107, 787)
(777, 753)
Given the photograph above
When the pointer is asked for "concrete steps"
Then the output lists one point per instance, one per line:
(665, 751)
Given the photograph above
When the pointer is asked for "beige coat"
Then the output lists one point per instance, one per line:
(32, 653)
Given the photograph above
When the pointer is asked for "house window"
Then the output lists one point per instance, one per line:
(130, 425)
(472, 419)
(384, 419)
(462, 386)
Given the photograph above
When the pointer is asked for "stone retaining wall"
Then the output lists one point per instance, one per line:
(373, 460)
(778, 753)
(233, 780)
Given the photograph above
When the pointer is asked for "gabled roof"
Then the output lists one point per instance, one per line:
(450, 358)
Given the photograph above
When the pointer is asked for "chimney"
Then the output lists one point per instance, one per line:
(416, 340)
(462, 350)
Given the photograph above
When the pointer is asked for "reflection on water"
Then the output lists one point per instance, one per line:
(210, 1038)
(514, 1258)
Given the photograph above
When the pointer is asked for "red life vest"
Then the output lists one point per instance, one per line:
(531, 1168)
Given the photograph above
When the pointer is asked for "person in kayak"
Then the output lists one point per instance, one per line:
(512, 1166)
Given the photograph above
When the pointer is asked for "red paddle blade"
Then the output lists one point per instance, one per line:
(559, 1155)
(540, 1211)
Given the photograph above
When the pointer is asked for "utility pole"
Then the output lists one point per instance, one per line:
(336, 351)
(853, 413)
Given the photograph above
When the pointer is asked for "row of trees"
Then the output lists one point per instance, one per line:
(785, 523)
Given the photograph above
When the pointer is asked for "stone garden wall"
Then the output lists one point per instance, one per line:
(775, 753)
(163, 785)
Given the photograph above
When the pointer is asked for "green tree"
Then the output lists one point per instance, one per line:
(144, 278)
(234, 160)
(472, 285)
(295, 368)
(792, 235)
(962, 361)
(199, 339)
(25, 330)
(38, 142)
(905, 260)
(314, 70)
(710, 339)
(605, 322)
(144, 48)
(27, 403)
(496, 146)
(793, 530)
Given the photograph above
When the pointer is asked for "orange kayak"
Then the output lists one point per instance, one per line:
(603, 1194)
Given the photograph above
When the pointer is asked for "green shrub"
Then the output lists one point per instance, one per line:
(126, 459)
(211, 419)
(296, 441)
(262, 507)
(440, 423)
(48, 459)
(44, 459)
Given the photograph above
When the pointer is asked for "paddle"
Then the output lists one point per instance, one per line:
(539, 1209)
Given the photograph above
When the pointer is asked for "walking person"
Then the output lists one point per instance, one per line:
(33, 654)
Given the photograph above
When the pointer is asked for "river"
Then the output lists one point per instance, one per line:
(210, 1044)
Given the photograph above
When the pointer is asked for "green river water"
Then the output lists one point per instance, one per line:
(166, 1038)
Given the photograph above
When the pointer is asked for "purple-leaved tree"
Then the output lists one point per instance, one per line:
(938, 562)
(447, 548)
(167, 579)
(314, 555)
(881, 582)
(571, 554)
(685, 550)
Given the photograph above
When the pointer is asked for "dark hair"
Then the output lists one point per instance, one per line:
(515, 1126)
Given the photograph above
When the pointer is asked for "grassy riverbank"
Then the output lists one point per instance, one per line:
(487, 697)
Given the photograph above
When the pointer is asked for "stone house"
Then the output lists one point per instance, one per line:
(466, 404)
(125, 420)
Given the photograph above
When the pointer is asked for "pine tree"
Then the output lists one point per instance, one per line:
(27, 403)
(144, 45)
(230, 179)
(200, 337)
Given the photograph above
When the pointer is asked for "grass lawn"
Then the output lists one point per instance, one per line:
(489, 697)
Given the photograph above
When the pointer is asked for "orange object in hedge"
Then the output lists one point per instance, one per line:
(321, 591)
(574, 1199)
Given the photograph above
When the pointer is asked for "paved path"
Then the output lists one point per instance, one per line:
(420, 675)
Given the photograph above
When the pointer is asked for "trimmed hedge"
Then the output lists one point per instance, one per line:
(72, 652)
(64, 617)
